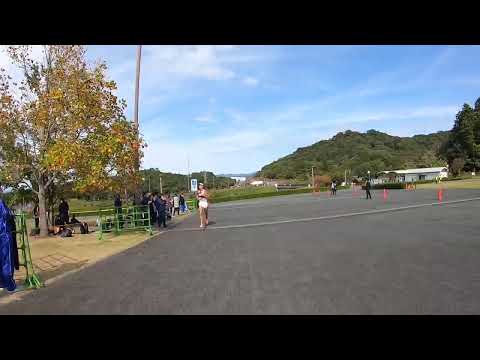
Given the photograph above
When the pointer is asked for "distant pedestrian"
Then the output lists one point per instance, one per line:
(118, 209)
(36, 215)
(202, 197)
(368, 186)
(333, 190)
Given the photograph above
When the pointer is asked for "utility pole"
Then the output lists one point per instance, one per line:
(161, 188)
(313, 178)
(188, 173)
(205, 178)
(135, 115)
(345, 177)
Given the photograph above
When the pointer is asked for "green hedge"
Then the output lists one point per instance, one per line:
(424, 182)
(260, 195)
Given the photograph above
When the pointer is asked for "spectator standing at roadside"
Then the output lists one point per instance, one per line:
(151, 206)
(63, 210)
(176, 204)
(367, 189)
(118, 209)
(168, 206)
(170, 201)
(160, 207)
(182, 203)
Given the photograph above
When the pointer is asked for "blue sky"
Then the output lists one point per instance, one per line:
(237, 108)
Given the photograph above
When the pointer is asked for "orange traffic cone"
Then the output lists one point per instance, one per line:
(385, 194)
(440, 194)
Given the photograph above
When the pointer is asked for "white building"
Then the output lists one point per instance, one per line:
(256, 183)
(239, 178)
(412, 175)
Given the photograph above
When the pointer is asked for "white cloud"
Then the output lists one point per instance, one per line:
(250, 81)
(189, 61)
(205, 119)
(420, 113)
(216, 152)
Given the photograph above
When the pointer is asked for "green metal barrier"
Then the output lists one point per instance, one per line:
(129, 218)
(192, 204)
(32, 281)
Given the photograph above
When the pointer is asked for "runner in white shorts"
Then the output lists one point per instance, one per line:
(202, 196)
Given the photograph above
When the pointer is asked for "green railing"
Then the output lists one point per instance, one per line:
(192, 204)
(129, 218)
(32, 281)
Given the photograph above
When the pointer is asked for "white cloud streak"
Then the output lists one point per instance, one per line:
(250, 81)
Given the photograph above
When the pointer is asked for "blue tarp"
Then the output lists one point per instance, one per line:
(7, 259)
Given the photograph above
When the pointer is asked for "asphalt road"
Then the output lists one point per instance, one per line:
(300, 254)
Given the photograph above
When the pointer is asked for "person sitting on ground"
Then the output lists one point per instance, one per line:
(83, 225)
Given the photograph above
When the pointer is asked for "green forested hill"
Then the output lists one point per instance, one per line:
(178, 182)
(359, 152)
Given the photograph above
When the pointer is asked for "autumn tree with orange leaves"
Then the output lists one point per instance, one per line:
(63, 124)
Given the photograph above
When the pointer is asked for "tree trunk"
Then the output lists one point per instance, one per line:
(42, 210)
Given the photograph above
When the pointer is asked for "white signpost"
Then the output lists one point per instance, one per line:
(193, 185)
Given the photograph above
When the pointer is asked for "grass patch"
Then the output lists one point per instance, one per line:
(473, 183)
(252, 193)
(84, 205)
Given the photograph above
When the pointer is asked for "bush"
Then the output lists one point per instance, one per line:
(424, 182)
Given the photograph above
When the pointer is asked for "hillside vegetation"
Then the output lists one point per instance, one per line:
(357, 153)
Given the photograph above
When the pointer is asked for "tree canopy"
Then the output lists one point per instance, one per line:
(179, 183)
(462, 148)
(63, 124)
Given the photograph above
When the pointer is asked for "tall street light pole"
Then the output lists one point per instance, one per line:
(313, 178)
(188, 173)
(135, 114)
